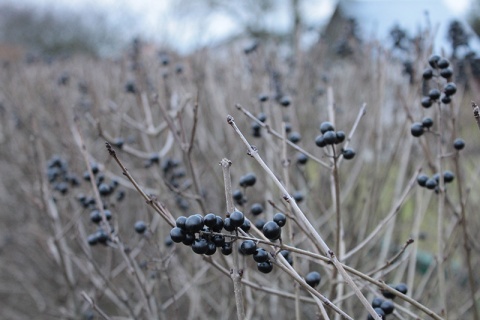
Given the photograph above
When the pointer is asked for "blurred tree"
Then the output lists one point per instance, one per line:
(474, 16)
(58, 32)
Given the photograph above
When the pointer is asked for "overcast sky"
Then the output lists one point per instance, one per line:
(154, 19)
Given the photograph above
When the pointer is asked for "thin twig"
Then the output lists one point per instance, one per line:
(92, 303)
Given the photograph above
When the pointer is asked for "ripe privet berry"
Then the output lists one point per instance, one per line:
(450, 89)
(194, 223)
(326, 126)
(434, 94)
(218, 224)
(259, 223)
(446, 73)
(426, 102)
(271, 230)
(227, 225)
(92, 239)
(402, 287)
(459, 144)
(140, 227)
(432, 61)
(285, 101)
(377, 302)
(422, 180)
(246, 225)
(416, 129)
(427, 74)
(348, 153)
(287, 256)
(210, 220)
(340, 137)
(313, 279)
(448, 176)
(176, 234)
(260, 255)
(446, 99)
(294, 137)
(443, 63)
(301, 158)
(200, 246)
(236, 219)
(256, 129)
(104, 189)
(226, 248)
(387, 306)
(118, 142)
(248, 180)
(95, 216)
(248, 247)
(189, 239)
(431, 184)
(102, 236)
(280, 219)
(219, 240)
(263, 97)
(298, 196)
(168, 241)
(427, 122)
(378, 311)
(180, 222)
(237, 195)
(320, 142)
(154, 158)
(288, 127)
(256, 209)
(262, 117)
(330, 137)
(265, 267)
(388, 294)
(211, 248)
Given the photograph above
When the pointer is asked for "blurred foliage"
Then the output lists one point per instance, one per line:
(56, 32)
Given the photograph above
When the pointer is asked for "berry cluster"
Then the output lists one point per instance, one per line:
(105, 188)
(331, 137)
(433, 182)
(439, 67)
(384, 307)
(59, 175)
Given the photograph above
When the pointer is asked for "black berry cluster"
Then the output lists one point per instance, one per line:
(433, 182)
(247, 180)
(418, 128)
(439, 67)
(273, 229)
(384, 307)
(59, 175)
(331, 137)
(255, 126)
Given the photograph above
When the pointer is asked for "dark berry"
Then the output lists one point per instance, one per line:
(248, 247)
(120, 195)
(426, 102)
(294, 137)
(313, 279)
(443, 63)
(194, 223)
(286, 254)
(227, 225)
(102, 236)
(431, 184)
(95, 216)
(450, 89)
(211, 249)
(262, 117)
(61, 187)
(154, 158)
(387, 306)
(236, 219)
(340, 137)
(256, 209)
(285, 101)
(271, 230)
(416, 129)
(427, 74)
(446, 73)
(189, 239)
(118, 142)
(210, 220)
(237, 195)
(459, 144)
(320, 142)
(265, 267)
(246, 225)
(263, 97)
(301, 158)
(298, 196)
(200, 246)
(388, 294)
(348, 153)
(330, 137)
(326, 126)
(248, 180)
(446, 99)
(379, 312)
(218, 224)
(180, 222)
(427, 122)
(226, 248)
(168, 241)
(104, 189)
(95, 168)
(288, 127)
(280, 219)
(260, 255)
(434, 94)
(377, 302)
(108, 214)
(259, 223)
(218, 239)
(176, 234)
(92, 239)
(130, 87)
(433, 60)
(422, 180)
(402, 287)
(448, 176)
